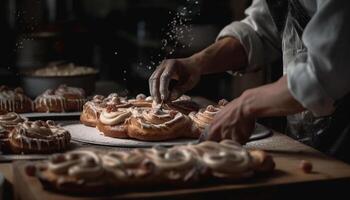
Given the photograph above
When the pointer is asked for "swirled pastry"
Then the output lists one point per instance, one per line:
(78, 171)
(14, 101)
(89, 170)
(75, 97)
(141, 100)
(39, 137)
(10, 120)
(204, 117)
(92, 110)
(50, 102)
(112, 121)
(159, 124)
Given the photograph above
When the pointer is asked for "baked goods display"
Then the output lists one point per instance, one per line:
(38, 137)
(61, 99)
(14, 100)
(142, 119)
(68, 69)
(90, 171)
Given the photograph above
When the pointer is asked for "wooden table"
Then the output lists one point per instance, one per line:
(288, 180)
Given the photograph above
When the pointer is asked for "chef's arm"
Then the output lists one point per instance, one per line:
(270, 100)
(226, 54)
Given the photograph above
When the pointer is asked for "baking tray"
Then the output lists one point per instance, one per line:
(90, 135)
(54, 116)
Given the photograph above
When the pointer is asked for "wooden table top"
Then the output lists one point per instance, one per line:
(287, 154)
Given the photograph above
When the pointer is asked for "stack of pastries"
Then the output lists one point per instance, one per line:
(141, 118)
(18, 135)
(60, 99)
(91, 171)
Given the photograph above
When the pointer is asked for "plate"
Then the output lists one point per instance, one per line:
(90, 135)
(65, 115)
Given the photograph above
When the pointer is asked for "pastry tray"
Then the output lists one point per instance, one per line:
(90, 135)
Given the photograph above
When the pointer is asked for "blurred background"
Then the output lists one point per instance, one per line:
(123, 39)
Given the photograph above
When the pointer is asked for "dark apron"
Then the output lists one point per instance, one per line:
(329, 134)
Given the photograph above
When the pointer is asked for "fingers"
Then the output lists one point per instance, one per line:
(165, 78)
(154, 83)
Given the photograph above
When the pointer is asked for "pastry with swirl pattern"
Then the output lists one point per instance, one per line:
(8, 122)
(141, 168)
(75, 97)
(159, 124)
(112, 120)
(204, 117)
(39, 137)
(14, 100)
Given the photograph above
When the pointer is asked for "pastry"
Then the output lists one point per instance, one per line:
(75, 97)
(112, 121)
(204, 117)
(14, 101)
(92, 110)
(159, 124)
(50, 102)
(94, 171)
(141, 100)
(78, 172)
(183, 104)
(38, 137)
(8, 122)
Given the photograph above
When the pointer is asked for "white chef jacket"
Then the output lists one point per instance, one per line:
(316, 77)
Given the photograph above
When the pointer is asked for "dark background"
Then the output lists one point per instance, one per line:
(120, 38)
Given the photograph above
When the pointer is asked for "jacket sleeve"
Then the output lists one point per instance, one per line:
(258, 35)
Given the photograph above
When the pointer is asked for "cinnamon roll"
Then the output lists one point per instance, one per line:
(14, 101)
(90, 171)
(75, 97)
(78, 172)
(92, 110)
(159, 124)
(203, 117)
(183, 104)
(49, 101)
(8, 122)
(38, 137)
(112, 121)
(142, 100)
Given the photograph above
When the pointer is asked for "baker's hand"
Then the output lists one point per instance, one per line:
(185, 71)
(232, 122)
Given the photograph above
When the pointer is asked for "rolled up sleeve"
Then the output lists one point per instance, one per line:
(258, 35)
(321, 76)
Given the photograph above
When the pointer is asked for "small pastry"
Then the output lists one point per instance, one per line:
(184, 104)
(112, 121)
(10, 120)
(92, 110)
(158, 124)
(142, 100)
(78, 172)
(39, 137)
(203, 118)
(75, 97)
(14, 101)
(50, 102)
